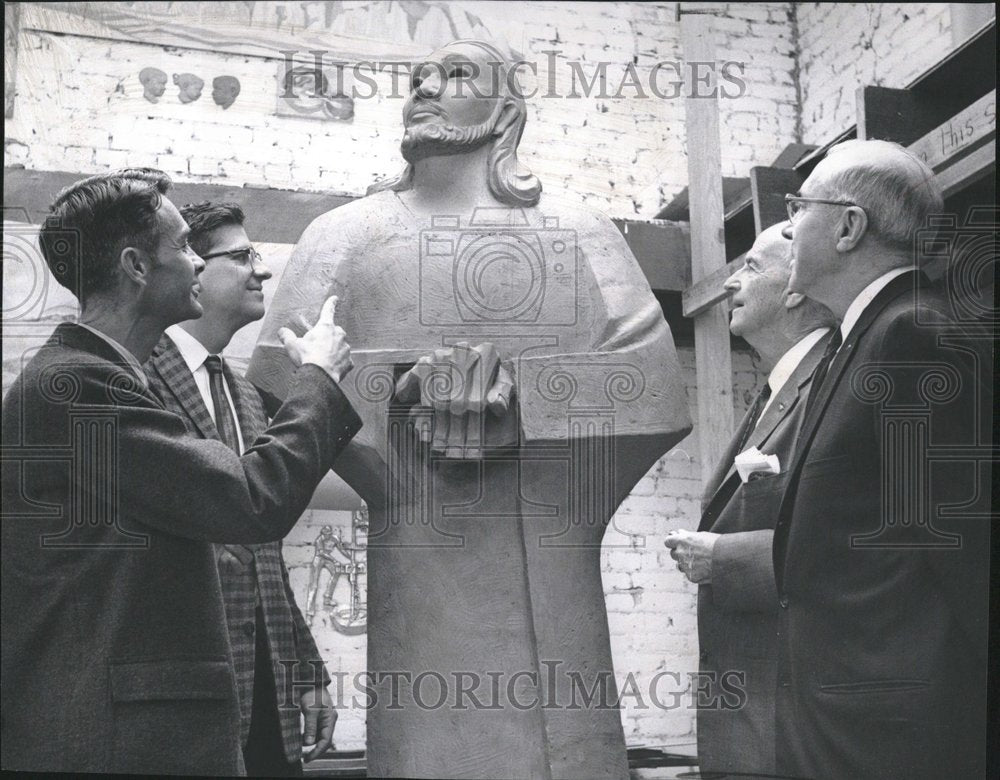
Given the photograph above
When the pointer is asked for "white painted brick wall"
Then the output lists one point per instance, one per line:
(847, 45)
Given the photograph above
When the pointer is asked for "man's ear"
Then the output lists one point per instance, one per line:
(135, 264)
(793, 299)
(508, 115)
(851, 229)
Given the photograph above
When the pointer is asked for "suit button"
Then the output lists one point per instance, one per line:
(703, 656)
(249, 627)
(783, 602)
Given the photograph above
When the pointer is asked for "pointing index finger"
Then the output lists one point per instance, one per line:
(329, 309)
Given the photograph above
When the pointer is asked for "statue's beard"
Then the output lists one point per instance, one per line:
(433, 140)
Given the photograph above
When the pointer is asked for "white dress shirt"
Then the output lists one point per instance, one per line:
(194, 354)
(127, 356)
(866, 296)
(789, 362)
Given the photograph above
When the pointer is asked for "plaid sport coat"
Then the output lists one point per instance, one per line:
(293, 651)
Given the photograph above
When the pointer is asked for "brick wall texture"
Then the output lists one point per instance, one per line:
(79, 107)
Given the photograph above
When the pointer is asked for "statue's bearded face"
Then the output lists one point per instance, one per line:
(454, 103)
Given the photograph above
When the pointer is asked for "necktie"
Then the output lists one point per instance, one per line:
(822, 367)
(225, 423)
(754, 417)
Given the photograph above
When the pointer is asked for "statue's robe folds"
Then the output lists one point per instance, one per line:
(487, 628)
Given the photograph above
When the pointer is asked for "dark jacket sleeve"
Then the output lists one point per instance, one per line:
(200, 489)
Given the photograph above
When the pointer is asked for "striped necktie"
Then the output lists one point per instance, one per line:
(225, 423)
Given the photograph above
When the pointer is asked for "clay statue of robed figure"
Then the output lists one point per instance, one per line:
(516, 379)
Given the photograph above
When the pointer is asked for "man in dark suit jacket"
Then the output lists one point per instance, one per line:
(881, 548)
(730, 554)
(115, 654)
(261, 612)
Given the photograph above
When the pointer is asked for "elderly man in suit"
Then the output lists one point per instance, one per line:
(881, 548)
(729, 556)
(267, 634)
(115, 651)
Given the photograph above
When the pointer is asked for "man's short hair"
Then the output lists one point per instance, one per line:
(205, 217)
(895, 188)
(93, 221)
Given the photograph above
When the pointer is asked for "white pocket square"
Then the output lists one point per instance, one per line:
(753, 461)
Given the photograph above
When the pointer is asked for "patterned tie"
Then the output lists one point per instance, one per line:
(225, 423)
(821, 369)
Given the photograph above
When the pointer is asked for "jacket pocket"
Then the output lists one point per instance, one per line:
(169, 680)
(175, 717)
(876, 686)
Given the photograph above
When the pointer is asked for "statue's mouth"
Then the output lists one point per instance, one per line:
(422, 112)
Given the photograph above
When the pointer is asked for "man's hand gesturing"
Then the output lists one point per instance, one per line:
(324, 345)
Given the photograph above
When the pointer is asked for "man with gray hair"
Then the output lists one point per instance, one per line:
(729, 556)
(881, 549)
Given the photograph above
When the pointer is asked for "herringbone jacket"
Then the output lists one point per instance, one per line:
(293, 651)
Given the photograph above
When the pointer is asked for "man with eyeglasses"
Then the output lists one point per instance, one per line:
(880, 553)
(271, 644)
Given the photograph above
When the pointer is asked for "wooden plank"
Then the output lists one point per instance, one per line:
(769, 187)
(713, 360)
(899, 115)
(709, 291)
(975, 166)
(968, 128)
(175, 28)
(278, 216)
(663, 250)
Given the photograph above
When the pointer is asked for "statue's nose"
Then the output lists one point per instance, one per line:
(430, 85)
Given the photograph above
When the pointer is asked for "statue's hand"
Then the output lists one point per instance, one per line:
(460, 384)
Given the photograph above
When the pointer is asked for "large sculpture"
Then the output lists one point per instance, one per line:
(516, 378)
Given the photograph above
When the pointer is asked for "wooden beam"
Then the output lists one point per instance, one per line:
(899, 115)
(975, 166)
(707, 292)
(663, 250)
(769, 187)
(713, 360)
(970, 127)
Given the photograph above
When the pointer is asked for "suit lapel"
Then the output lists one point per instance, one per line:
(249, 408)
(782, 405)
(173, 371)
(842, 359)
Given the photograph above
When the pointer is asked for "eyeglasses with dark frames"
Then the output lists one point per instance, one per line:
(794, 204)
(248, 256)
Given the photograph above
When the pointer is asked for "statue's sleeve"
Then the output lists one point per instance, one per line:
(629, 373)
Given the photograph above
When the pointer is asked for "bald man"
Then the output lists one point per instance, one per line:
(882, 543)
(729, 557)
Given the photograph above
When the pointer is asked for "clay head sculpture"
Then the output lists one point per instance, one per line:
(190, 86)
(225, 90)
(154, 83)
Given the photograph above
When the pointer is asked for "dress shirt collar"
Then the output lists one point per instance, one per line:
(192, 350)
(125, 355)
(791, 359)
(866, 296)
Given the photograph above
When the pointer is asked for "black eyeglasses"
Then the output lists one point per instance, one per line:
(795, 203)
(248, 256)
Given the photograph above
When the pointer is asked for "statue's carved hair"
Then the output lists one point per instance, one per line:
(509, 181)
